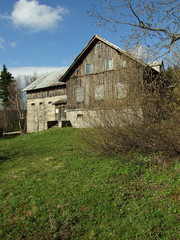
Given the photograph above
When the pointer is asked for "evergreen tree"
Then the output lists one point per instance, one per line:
(5, 80)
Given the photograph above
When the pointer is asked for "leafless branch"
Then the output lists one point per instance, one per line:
(154, 23)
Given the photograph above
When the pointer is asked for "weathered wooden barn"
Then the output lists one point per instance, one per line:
(100, 73)
(46, 102)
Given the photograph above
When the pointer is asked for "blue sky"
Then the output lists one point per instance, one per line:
(45, 34)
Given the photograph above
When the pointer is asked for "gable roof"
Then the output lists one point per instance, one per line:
(95, 38)
(47, 80)
(157, 65)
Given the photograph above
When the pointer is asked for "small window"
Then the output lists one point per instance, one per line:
(88, 68)
(121, 90)
(50, 102)
(123, 63)
(109, 64)
(98, 45)
(41, 103)
(78, 72)
(79, 94)
(99, 92)
(80, 115)
(32, 104)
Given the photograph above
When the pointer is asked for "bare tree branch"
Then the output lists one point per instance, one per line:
(152, 23)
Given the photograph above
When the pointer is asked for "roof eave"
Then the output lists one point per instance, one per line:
(63, 78)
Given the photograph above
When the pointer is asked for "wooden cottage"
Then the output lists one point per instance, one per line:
(46, 102)
(99, 74)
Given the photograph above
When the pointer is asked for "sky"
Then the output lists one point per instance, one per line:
(44, 35)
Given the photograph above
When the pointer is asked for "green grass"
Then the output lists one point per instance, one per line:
(52, 190)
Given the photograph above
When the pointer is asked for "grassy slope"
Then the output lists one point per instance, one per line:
(51, 190)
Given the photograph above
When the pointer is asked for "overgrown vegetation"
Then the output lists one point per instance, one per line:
(52, 190)
(151, 116)
(147, 118)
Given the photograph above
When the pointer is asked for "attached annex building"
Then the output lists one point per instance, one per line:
(46, 102)
(97, 74)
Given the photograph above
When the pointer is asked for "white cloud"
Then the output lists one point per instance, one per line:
(13, 44)
(2, 43)
(20, 72)
(36, 17)
(25, 71)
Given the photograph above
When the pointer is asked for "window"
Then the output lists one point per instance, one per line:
(123, 63)
(99, 92)
(109, 64)
(98, 45)
(121, 90)
(80, 116)
(50, 102)
(79, 94)
(41, 103)
(88, 68)
(32, 104)
(78, 72)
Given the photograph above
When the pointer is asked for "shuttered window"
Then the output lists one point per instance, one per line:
(109, 64)
(99, 92)
(123, 63)
(121, 90)
(88, 68)
(79, 94)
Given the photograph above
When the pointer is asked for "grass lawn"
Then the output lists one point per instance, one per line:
(52, 190)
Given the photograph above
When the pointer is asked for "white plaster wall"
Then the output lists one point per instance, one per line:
(39, 114)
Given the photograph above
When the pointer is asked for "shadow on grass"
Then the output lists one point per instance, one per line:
(3, 159)
(7, 136)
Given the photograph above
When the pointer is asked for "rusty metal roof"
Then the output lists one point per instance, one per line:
(47, 80)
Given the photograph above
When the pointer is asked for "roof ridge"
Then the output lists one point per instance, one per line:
(96, 36)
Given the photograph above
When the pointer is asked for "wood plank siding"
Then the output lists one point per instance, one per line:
(109, 67)
(47, 92)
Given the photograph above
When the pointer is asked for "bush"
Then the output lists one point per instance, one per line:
(149, 122)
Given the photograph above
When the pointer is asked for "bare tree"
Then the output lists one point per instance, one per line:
(149, 23)
(18, 99)
(13, 116)
(28, 79)
(18, 104)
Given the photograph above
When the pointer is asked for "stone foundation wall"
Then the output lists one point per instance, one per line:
(89, 118)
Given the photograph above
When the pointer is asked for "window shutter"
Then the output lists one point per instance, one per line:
(88, 68)
(121, 90)
(79, 94)
(99, 92)
(109, 64)
(123, 64)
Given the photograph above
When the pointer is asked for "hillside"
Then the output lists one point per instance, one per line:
(50, 189)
